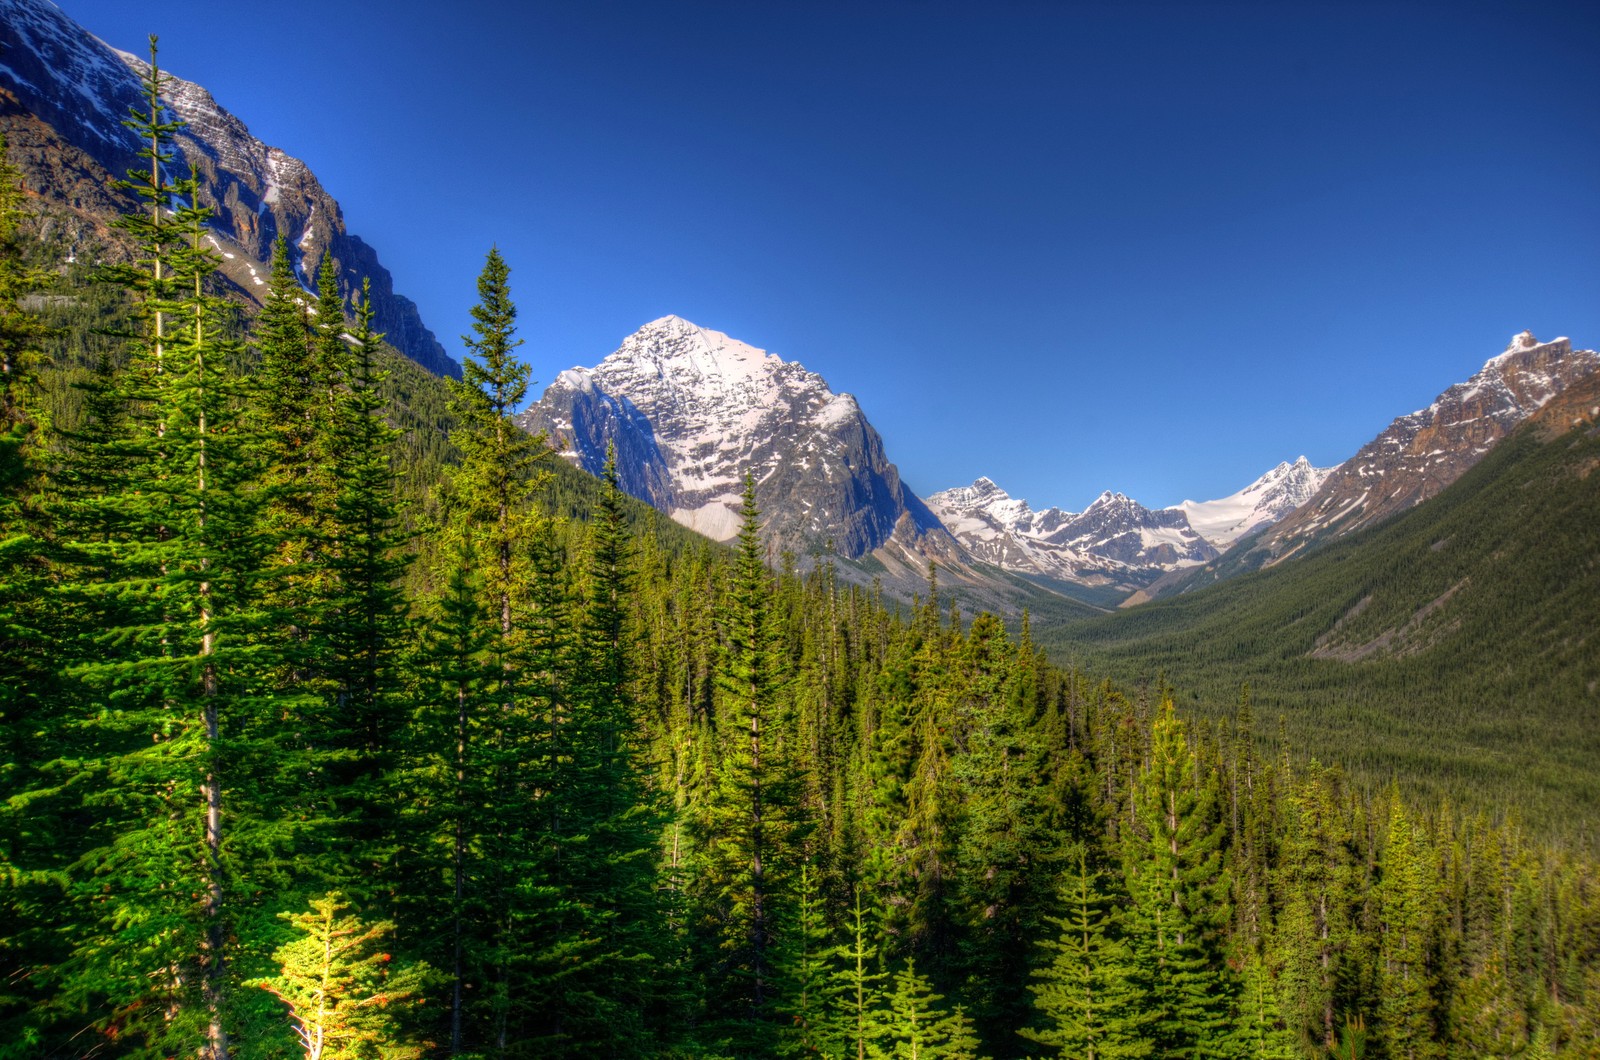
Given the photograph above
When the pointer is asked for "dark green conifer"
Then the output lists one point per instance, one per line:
(180, 774)
(1407, 972)
(748, 826)
(363, 624)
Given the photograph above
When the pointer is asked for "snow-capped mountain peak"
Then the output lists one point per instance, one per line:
(692, 411)
(1266, 500)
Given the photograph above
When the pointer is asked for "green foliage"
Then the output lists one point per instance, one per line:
(1090, 998)
(341, 989)
(1178, 889)
(1454, 645)
(916, 1027)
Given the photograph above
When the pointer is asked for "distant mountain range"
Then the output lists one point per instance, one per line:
(691, 411)
(1412, 460)
(1117, 541)
(63, 96)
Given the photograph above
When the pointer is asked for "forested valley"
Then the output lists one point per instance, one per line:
(326, 736)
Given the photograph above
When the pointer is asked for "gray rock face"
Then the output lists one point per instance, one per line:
(58, 73)
(1418, 455)
(691, 411)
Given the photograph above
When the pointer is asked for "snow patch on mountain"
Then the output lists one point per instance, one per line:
(1266, 500)
(692, 410)
(83, 89)
(1115, 541)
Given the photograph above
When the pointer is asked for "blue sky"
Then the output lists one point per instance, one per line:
(1073, 247)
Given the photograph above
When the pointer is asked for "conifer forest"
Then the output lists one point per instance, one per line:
(327, 737)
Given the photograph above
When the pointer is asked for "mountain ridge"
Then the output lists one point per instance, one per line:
(1116, 541)
(64, 94)
(1422, 452)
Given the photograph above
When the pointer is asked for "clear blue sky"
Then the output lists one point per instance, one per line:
(1151, 248)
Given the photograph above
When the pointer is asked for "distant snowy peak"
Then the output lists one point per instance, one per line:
(691, 411)
(1266, 500)
(986, 500)
(1421, 453)
(1115, 541)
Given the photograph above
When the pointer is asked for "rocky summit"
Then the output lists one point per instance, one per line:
(1421, 453)
(63, 96)
(692, 411)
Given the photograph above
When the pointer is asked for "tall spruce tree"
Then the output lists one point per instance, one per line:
(603, 820)
(1090, 995)
(1407, 960)
(489, 810)
(1175, 877)
(172, 680)
(363, 623)
(749, 823)
(491, 489)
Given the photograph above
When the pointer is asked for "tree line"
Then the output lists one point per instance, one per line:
(307, 757)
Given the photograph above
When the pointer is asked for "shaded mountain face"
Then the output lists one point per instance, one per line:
(63, 96)
(1116, 541)
(691, 411)
(1418, 455)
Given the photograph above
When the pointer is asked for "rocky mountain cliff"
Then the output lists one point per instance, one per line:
(63, 96)
(1115, 542)
(1419, 454)
(691, 411)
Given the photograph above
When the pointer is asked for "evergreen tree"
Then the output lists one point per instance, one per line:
(291, 424)
(1089, 994)
(29, 856)
(859, 977)
(1009, 846)
(364, 615)
(916, 1027)
(1175, 879)
(748, 825)
(180, 774)
(443, 772)
(811, 1000)
(491, 489)
(1259, 1029)
(493, 809)
(1315, 879)
(342, 991)
(1406, 971)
